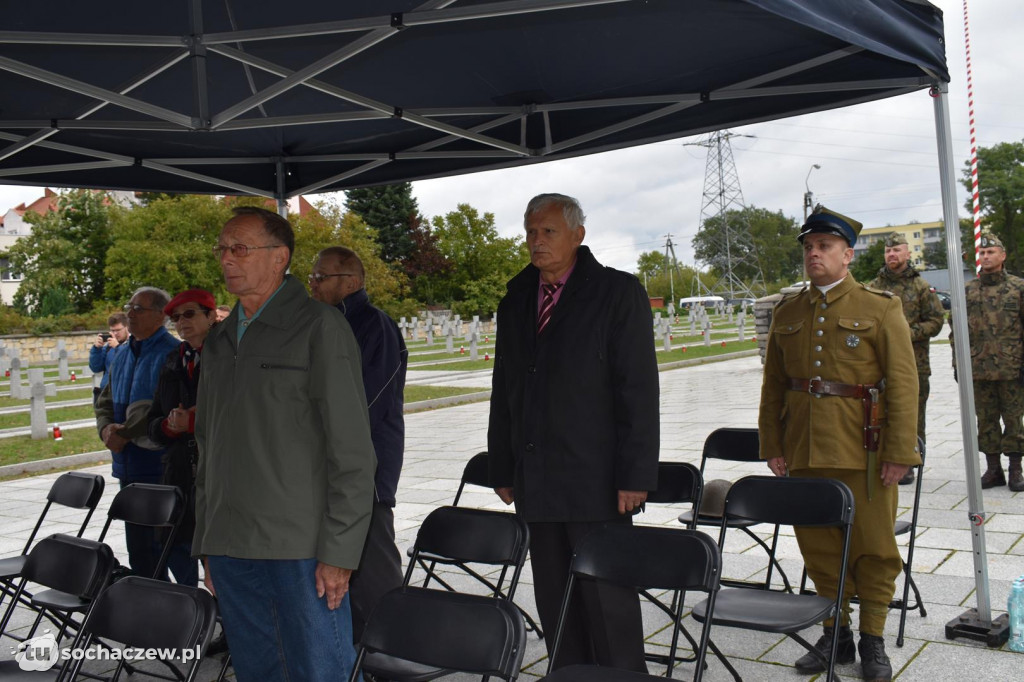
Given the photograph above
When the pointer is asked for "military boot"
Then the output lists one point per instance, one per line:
(874, 663)
(809, 663)
(1016, 476)
(994, 476)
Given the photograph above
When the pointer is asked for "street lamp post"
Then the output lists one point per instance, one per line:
(808, 195)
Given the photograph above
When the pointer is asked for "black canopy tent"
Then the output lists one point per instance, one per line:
(280, 99)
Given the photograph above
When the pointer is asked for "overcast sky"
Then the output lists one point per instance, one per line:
(878, 161)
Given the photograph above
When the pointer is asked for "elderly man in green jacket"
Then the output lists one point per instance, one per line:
(285, 479)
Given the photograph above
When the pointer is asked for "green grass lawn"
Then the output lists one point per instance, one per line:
(84, 392)
(414, 394)
(63, 414)
(24, 449)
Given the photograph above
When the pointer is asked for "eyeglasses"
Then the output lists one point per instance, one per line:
(240, 250)
(136, 308)
(319, 278)
(187, 314)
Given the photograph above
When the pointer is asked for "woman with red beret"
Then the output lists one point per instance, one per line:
(172, 416)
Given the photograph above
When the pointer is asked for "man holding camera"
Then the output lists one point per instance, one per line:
(102, 352)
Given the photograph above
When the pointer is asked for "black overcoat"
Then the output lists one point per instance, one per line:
(574, 411)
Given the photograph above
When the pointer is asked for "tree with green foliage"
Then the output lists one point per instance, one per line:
(330, 225)
(392, 211)
(934, 254)
(166, 243)
(62, 261)
(773, 240)
(654, 271)
(483, 262)
(1001, 198)
(865, 266)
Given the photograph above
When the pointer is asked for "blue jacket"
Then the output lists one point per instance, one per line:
(133, 382)
(100, 358)
(385, 360)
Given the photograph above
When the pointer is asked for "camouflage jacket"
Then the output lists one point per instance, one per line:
(995, 322)
(921, 307)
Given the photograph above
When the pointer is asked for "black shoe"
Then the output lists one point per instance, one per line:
(874, 663)
(218, 645)
(1016, 480)
(993, 478)
(908, 477)
(809, 663)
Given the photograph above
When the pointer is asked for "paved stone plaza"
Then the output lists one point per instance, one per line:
(695, 401)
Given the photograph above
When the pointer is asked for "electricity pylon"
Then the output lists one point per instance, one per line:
(673, 268)
(733, 247)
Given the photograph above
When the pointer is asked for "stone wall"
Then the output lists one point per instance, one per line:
(40, 350)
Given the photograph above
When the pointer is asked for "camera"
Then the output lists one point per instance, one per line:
(105, 336)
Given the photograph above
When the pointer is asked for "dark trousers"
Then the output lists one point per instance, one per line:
(380, 567)
(141, 541)
(603, 624)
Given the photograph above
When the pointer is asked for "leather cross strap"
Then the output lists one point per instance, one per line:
(818, 386)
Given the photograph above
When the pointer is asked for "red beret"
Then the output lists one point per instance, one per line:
(200, 296)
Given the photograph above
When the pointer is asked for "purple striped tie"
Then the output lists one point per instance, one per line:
(547, 305)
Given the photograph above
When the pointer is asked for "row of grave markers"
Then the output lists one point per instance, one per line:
(414, 329)
(36, 390)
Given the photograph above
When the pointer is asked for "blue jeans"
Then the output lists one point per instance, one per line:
(277, 628)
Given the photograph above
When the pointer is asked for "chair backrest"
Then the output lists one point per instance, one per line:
(153, 614)
(790, 501)
(147, 504)
(451, 630)
(75, 490)
(468, 535)
(475, 473)
(649, 557)
(677, 482)
(733, 444)
(69, 564)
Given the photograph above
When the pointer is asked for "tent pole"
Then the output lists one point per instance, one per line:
(282, 200)
(974, 623)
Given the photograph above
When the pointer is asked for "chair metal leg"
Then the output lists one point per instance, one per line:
(772, 561)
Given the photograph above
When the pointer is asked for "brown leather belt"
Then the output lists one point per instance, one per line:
(817, 386)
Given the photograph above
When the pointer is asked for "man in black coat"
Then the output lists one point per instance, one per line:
(574, 430)
(338, 279)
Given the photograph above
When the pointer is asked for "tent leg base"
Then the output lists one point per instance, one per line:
(994, 633)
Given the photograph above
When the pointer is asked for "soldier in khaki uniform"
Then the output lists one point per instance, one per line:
(995, 322)
(923, 311)
(831, 347)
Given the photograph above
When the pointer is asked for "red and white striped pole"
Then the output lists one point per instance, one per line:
(974, 148)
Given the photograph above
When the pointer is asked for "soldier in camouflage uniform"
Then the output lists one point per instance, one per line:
(995, 321)
(922, 309)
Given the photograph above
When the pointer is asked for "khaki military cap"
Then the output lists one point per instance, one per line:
(895, 239)
(989, 239)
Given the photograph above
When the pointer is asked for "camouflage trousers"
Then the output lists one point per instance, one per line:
(995, 400)
(923, 389)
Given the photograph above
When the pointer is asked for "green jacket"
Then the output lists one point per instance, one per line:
(921, 307)
(285, 457)
(995, 322)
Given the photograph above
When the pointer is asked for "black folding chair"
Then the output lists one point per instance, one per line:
(678, 483)
(737, 445)
(75, 490)
(448, 631)
(466, 539)
(73, 571)
(808, 502)
(152, 505)
(643, 557)
(474, 473)
(902, 528)
(151, 614)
